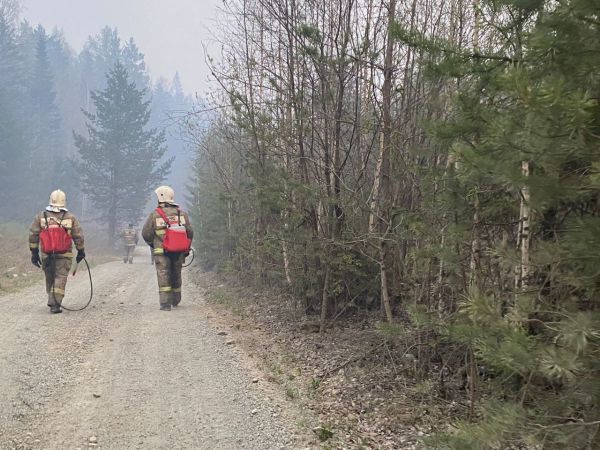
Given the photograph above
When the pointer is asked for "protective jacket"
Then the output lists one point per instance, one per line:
(129, 236)
(168, 265)
(154, 228)
(56, 267)
(66, 220)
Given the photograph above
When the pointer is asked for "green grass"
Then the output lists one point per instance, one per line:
(291, 392)
(324, 432)
(315, 383)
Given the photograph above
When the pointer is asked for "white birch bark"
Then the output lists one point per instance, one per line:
(523, 271)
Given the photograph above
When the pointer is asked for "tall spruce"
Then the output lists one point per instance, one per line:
(133, 60)
(121, 159)
(14, 144)
(99, 55)
(169, 108)
(44, 118)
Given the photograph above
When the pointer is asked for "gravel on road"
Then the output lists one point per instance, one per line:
(124, 375)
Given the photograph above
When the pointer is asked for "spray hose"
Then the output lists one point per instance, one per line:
(52, 274)
(52, 267)
(191, 260)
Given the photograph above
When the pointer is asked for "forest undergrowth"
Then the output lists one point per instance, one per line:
(368, 386)
(436, 164)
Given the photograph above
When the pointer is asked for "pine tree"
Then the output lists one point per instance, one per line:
(169, 106)
(99, 56)
(103, 51)
(133, 61)
(120, 159)
(526, 132)
(45, 123)
(14, 145)
(10, 10)
(68, 88)
(179, 96)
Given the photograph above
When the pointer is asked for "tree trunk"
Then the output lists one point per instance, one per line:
(385, 296)
(475, 263)
(325, 302)
(112, 217)
(523, 271)
(386, 138)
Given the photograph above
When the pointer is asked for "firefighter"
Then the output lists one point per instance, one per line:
(168, 262)
(56, 253)
(130, 239)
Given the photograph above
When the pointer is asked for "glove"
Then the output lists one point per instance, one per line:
(80, 256)
(35, 258)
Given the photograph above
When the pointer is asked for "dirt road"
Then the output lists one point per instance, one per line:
(124, 375)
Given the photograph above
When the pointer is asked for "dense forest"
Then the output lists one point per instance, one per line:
(434, 162)
(431, 165)
(47, 93)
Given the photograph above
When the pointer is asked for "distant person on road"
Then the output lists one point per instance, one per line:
(54, 230)
(130, 239)
(169, 232)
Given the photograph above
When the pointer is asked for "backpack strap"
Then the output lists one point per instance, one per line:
(61, 218)
(162, 214)
(59, 222)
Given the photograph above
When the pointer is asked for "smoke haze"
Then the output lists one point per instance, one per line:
(170, 34)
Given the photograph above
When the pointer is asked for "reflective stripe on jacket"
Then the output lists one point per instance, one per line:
(154, 228)
(69, 221)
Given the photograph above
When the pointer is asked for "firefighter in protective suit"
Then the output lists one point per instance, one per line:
(168, 264)
(56, 265)
(130, 240)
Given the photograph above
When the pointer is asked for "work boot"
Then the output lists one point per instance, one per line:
(55, 309)
(165, 307)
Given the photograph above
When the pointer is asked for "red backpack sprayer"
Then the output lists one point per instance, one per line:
(57, 241)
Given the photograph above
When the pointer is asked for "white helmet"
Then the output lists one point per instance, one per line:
(58, 199)
(165, 194)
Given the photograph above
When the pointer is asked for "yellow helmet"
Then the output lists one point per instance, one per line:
(165, 194)
(58, 199)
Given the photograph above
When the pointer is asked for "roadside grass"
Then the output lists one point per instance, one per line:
(16, 270)
(355, 381)
(226, 297)
(279, 366)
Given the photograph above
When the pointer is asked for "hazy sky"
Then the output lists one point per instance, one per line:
(170, 33)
